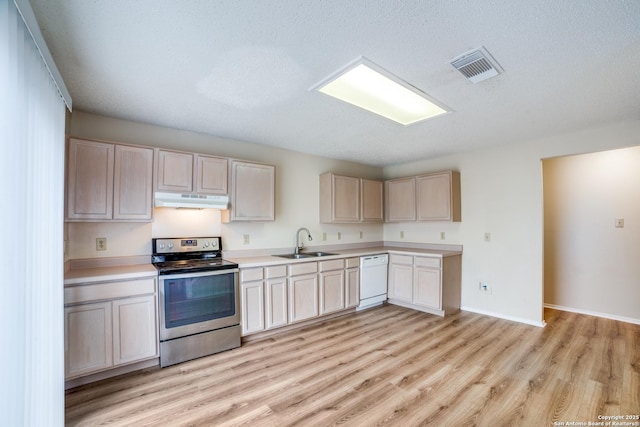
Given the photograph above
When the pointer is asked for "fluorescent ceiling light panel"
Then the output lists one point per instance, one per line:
(372, 88)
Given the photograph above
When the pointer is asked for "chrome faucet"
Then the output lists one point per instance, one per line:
(299, 244)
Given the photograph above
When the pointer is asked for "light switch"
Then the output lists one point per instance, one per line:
(619, 222)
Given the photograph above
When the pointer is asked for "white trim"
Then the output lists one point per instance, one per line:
(541, 324)
(29, 18)
(594, 313)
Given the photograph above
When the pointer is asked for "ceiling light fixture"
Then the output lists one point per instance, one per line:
(367, 85)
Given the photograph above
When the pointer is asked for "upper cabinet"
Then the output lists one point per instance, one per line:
(187, 172)
(108, 182)
(429, 197)
(438, 196)
(252, 192)
(346, 199)
(400, 199)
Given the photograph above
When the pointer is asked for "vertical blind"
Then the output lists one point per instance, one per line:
(32, 126)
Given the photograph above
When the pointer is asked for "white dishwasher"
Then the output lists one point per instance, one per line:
(373, 280)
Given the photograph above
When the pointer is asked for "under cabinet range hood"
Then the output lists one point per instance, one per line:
(191, 201)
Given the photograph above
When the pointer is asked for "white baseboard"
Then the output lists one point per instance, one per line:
(505, 317)
(594, 313)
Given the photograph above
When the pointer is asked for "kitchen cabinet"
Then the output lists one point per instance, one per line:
(400, 200)
(438, 197)
(303, 291)
(400, 286)
(108, 182)
(372, 205)
(352, 282)
(430, 197)
(109, 324)
(252, 192)
(88, 342)
(276, 296)
(252, 300)
(332, 286)
(181, 172)
(346, 199)
(430, 284)
(134, 329)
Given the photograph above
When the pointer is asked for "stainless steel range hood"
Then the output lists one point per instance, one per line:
(189, 200)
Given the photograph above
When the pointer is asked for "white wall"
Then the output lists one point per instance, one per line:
(296, 189)
(590, 265)
(502, 194)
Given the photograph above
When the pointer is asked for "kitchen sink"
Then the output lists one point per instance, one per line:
(305, 255)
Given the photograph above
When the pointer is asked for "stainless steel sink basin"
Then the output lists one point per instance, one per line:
(305, 255)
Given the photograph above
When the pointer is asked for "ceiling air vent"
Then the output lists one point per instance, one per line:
(477, 65)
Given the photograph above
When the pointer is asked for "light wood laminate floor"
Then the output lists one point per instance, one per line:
(389, 366)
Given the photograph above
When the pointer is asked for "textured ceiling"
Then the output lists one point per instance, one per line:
(242, 69)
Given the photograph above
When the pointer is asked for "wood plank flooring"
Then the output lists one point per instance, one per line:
(388, 366)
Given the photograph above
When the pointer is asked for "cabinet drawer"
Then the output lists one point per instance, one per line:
(353, 262)
(334, 264)
(401, 259)
(421, 261)
(275, 271)
(250, 274)
(111, 290)
(304, 268)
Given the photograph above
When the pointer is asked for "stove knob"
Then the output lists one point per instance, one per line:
(206, 244)
(170, 245)
(161, 245)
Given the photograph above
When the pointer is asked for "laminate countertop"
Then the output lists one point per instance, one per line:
(265, 260)
(82, 276)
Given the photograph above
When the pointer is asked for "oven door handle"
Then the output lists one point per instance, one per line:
(200, 273)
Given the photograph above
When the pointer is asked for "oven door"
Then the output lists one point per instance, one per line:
(198, 302)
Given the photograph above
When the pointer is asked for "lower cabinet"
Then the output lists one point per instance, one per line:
(352, 283)
(118, 330)
(278, 295)
(431, 284)
(303, 297)
(332, 286)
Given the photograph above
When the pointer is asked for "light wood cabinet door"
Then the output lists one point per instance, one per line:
(135, 335)
(400, 200)
(341, 201)
(276, 302)
(426, 287)
(438, 196)
(332, 293)
(303, 297)
(352, 287)
(132, 183)
(372, 193)
(174, 172)
(211, 175)
(401, 281)
(87, 339)
(252, 300)
(253, 192)
(90, 180)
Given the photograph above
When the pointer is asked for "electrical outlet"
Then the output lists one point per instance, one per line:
(402, 234)
(619, 222)
(324, 236)
(247, 239)
(484, 288)
(101, 243)
(442, 235)
(361, 234)
(487, 237)
(339, 235)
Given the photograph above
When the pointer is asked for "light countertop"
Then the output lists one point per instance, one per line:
(258, 261)
(104, 274)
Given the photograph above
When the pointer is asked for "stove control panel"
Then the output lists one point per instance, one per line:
(181, 245)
